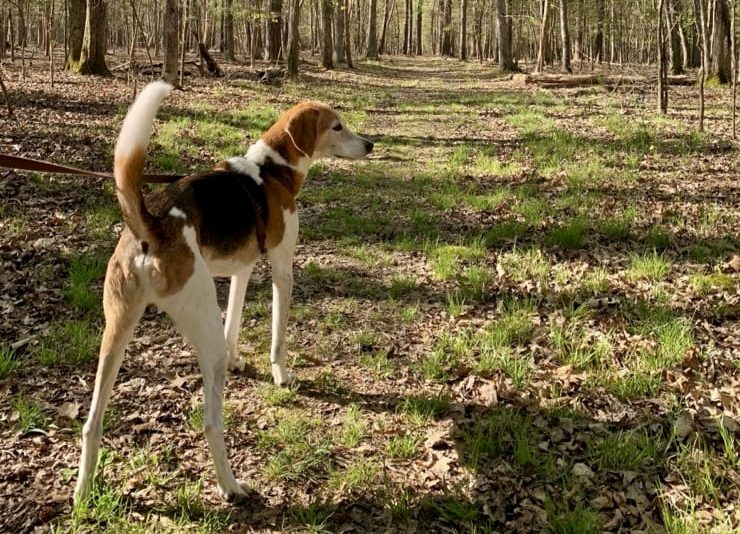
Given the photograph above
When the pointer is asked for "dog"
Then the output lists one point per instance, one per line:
(219, 223)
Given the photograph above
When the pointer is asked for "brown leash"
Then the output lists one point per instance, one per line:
(36, 165)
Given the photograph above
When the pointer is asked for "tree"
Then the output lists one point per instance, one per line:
(372, 38)
(662, 69)
(338, 53)
(75, 32)
(674, 28)
(564, 37)
(92, 54)
(445, 28)
(171, 45)
(418, 49)
(228, 33)
(347, 34)
(326, 48)
(273, 31)
(294, 38)
(720, 62)
(543, 36)
(463, 30)
(503, 27)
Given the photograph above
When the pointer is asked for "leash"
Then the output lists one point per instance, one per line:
(37, 165)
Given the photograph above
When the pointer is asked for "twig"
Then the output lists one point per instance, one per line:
(5, 95)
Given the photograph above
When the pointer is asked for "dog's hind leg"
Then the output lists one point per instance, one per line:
(196, 314)
(123, 304)
(237, 290)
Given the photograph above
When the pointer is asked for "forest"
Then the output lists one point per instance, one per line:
(519, 313)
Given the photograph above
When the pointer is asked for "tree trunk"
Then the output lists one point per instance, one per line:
(92, 55)
(543, 36)
(75, 32)
(463, 30)
(503, 28)
(720, 64)
(372, 37)
(599, 38)
(389, 5)
(662, 68)
(564, 37)
(347, 34)
(338, 52)
(228, 37)
(406, 26)
(326, 48)
(673, 27)
(294, 44)
(445, 28)
(418, 48)
(171, 43)
(273, 31)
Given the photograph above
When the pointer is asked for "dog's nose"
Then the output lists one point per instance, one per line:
(369, 146)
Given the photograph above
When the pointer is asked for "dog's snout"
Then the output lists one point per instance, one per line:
(369, 146)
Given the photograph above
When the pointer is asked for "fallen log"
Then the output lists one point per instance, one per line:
(578, 80)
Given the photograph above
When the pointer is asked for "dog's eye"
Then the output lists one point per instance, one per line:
(338, 127)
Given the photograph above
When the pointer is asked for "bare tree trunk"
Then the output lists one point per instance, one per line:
(720, 61)
(445, 28)
(418, 48)
(185, 23)
(75, 32)
(406, 28)
(674, 27)
(273, 31)
(326, 48)
(503, 26)
(228, 36)
(339, 29)
(92, 55)
(701, 20)
(599, 38)
(463, 30)
(733, 54)
(564, 37)
(372, 39)
(171, 45)
(294, 44)
(543, 28)
(388, 10)
(348, 34)
(662, 67)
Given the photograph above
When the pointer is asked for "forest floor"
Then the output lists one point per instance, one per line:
(521, 313)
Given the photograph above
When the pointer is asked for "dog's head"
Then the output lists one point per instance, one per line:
(315, 130)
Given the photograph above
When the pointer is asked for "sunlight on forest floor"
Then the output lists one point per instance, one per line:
(524, 306)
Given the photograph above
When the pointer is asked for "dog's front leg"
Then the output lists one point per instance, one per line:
(281, 259)
(237, 290)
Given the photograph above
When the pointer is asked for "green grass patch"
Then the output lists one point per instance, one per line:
(8, 360)
(70, 342)
(28, 414)
(648, 266)
(83, 272)
(404, 447)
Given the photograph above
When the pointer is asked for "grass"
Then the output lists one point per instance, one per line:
(648, 266)
(8, 361)
(404, 447)
(627, 451)
(72, 341)
(354, 427)
(83, 272)
(29, 414)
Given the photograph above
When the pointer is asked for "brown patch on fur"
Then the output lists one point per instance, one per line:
(279, 199)
(128, 172)
(295, 133)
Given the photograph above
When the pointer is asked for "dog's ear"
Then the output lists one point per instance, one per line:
(303, 130)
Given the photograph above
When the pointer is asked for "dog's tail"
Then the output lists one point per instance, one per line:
(128, 161)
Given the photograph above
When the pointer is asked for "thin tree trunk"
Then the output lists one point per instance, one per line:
(326, 48)
(733, 54)
(543, 28)
(662, 67)
(564, 37)
(293, 42)
(273, 30)
(76, 31)
(720, 61)
(463, 30)
(418, 48)
(228, 36)
(372, 39)
(171, 45)
(348, 34)
(339, 29)
(185, 23)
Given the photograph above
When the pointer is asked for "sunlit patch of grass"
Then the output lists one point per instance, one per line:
(475, 283)
(635, 384)
(562, 518)
(8, 360)
(488, 164)
(101, 220)
(489, 201)
(378, 363)
(354, 427)
(698, 468)
(29, 414)
(72, 341)
(401, 286)
(83, 271)
(421, 409)
(295, 450)
(571, 235)
(648, 266)
(574, 346)
(524, 264)
(312, 518)
(514, 365)
(195, 417)
(596, 281)
(276, 395)
(627, 451)
(532, 210)
(404, 447)
(359, 474)
(410, 313)
(454, 303)
(705, 284)
(446, 259)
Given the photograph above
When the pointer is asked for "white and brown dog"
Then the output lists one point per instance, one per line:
(214, 224)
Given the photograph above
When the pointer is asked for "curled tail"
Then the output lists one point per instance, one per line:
(128, 161)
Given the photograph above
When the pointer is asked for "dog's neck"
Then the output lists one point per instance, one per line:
(260, 152)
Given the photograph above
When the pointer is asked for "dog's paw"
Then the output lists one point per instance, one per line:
(236, 363)
(282, 377)
(235, 494)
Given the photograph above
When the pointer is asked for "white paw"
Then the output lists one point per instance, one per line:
(282, 377)
(235, 362)
(234, 493)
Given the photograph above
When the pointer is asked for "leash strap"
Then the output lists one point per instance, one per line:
(36, 165)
